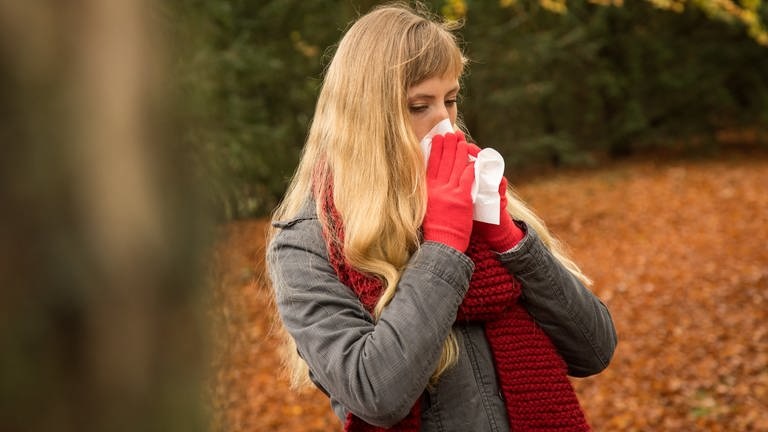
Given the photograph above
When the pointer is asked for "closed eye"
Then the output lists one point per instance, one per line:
(418, 108)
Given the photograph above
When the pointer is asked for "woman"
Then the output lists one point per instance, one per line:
(399, 307)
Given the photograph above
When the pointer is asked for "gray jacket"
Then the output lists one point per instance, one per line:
(378, 370)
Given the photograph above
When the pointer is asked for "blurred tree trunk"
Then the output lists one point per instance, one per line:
(100, 318)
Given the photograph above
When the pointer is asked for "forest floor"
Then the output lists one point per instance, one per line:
(677, 250)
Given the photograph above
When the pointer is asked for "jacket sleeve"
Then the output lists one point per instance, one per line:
(576, 321)
(376, 370)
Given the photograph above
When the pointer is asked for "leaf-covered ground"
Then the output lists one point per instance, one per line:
(676, 250)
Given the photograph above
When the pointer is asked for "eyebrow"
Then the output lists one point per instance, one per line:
(431, 96)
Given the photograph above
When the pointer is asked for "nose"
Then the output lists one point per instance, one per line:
(440, 114)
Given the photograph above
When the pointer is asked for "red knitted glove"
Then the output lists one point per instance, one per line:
(506, 234)
(448, 219)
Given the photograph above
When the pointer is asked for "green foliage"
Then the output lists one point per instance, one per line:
(605, 80)
(249, 77)
(548, 84)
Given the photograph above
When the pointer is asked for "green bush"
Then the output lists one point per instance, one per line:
(606, 81)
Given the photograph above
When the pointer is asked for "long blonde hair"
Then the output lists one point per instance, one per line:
(362, 143)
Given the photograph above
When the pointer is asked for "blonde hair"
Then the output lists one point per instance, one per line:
(361, 135)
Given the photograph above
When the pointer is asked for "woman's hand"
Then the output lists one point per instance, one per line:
(448, 219)
(506, 234)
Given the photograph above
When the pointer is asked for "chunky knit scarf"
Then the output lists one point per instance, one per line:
(538, 394)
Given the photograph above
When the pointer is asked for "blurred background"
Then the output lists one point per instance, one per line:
(102, 227)
(145, 143)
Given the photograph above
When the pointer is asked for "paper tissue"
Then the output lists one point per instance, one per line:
(489, 170)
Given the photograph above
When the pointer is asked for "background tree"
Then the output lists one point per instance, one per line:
(100, 307)
(608, 81)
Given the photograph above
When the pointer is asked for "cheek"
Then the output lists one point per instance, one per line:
(420, 125)
(453, 113)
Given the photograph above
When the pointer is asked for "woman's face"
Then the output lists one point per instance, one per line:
(430, 101)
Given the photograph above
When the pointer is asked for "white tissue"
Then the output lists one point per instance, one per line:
(441, 128)
(489, 169)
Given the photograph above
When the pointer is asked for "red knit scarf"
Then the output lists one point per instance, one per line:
(531, 373)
